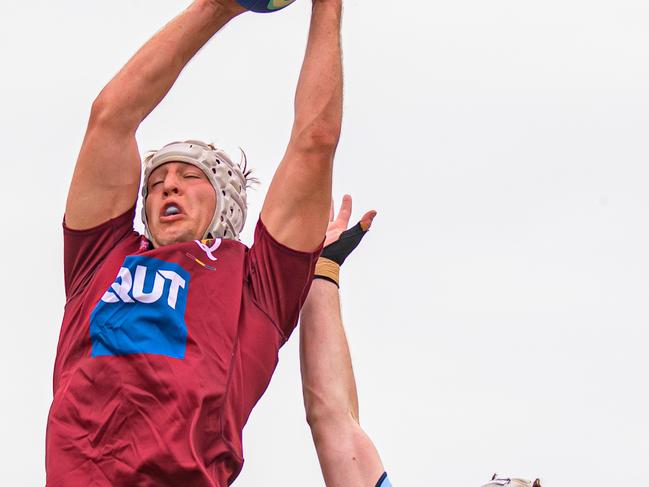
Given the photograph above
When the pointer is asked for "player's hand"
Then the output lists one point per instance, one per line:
(231, 6)
(340, 242)
(331, 5)
(340, 223)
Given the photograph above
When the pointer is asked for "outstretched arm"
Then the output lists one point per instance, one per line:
(347, 456)
(107, 174)
(296, 206)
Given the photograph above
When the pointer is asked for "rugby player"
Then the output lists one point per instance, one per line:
(170, 338)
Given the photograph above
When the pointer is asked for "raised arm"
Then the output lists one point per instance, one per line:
(347, 456)
(107, 174)
(297, 204)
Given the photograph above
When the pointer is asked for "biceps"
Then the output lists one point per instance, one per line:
(106, 177)
(297, 204)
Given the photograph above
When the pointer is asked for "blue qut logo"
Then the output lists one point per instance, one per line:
(143, 311)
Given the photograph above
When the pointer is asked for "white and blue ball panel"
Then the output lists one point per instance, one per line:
(265, 6)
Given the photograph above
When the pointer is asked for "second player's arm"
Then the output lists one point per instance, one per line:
(107, 174)
(347, 456)
(297, 204)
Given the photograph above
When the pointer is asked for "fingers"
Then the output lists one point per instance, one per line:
(367, 219)
(345, 212)
(331, 210)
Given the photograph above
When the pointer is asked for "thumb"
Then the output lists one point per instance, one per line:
(367, 219)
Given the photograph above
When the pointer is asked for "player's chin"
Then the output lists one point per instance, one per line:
(171, 235)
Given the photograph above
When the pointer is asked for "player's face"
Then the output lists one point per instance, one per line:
(180, 203)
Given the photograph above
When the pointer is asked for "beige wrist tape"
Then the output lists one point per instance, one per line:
(327, 269)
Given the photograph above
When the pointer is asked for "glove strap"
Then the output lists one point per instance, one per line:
(328, 270)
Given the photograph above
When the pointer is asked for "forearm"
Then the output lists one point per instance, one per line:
(347, 455)
(147, 77)
(319, 94)
(328, 382)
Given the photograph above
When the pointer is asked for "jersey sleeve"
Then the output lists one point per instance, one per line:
(384, 481)
(85, 250)
(280, 279)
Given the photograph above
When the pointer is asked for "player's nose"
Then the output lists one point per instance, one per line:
(171, 183)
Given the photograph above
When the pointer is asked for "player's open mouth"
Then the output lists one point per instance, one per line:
(171, 212)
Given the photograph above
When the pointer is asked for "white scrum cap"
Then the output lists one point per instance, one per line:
(228, 179)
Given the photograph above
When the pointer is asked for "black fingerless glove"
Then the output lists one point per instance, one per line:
(334, 254)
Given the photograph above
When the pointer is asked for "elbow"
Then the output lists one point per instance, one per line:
(327, 406)
(107, 112)
(312, 417)
(323, 416)
(322, 139)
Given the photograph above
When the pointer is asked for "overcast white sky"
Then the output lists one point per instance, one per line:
(497, 312)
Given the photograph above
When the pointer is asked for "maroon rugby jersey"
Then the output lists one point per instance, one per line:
(164, 352)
